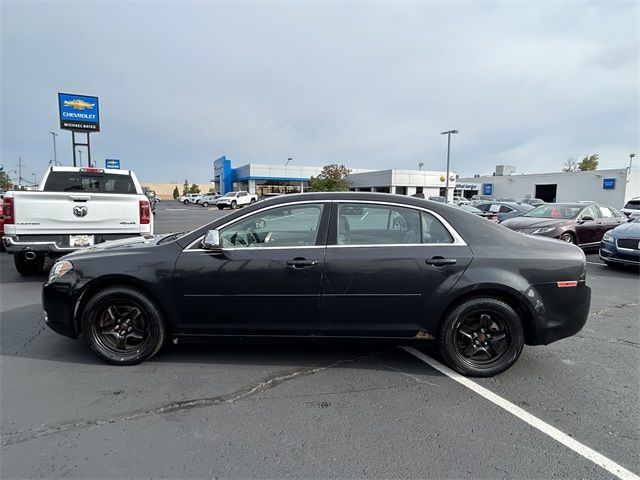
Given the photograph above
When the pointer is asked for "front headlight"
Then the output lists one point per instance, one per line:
(607, 238)
(59, 269)
(543, 230)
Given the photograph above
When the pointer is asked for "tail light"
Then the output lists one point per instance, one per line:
(145, 213)
(7, 211)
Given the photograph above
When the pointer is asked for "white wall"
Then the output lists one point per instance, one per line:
(571, 187)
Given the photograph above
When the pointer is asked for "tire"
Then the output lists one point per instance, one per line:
(28, 268)
(105, 317)
(234, 205)
(205, 204)
(220, 207)
(467, 346)
(186, 202)
(253, 200)
(569, 238)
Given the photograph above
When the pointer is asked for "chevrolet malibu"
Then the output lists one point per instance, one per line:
(375, 267)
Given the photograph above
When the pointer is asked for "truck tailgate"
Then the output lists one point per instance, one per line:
(59, 212)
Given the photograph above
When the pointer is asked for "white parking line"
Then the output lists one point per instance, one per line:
(597, 263)
(175, 209)
(535, 422)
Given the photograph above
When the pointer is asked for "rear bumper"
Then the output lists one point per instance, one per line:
(560, 312)
(55, 244)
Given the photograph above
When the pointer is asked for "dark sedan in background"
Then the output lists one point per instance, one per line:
(370, 266)
(581, 224)
(621, 246)
(504, 210)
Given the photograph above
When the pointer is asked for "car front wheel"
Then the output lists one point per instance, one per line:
(220, 207)
(205, 204)
(123, 326)
(567, 237)
(234, 205)
(481, 337)
(185, 202)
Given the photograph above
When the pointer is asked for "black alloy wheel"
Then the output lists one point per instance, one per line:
(123, 326)
(481, 337)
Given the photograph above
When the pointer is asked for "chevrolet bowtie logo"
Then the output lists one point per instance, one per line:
(78, 104)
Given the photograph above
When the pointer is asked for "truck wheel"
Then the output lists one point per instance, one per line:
(234, 205)
(123, 326)
(26, 267)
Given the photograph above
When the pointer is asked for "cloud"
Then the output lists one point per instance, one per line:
(366, 84)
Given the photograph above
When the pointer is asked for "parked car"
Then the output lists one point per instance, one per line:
(480, 291)
(504, 210)
(532, 201)
(234, 200)
(632, 206)
(74, 208)
(621, 246)
(153, 199)
(488, 215)
(438, 199)
(189, 198)
(577, 223)
(209, 199)
(507, 199)
(460, 200)
(1, 233)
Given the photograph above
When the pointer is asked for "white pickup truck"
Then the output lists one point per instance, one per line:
(73, 208)
(236, 199)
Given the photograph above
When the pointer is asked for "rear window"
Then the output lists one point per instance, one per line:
(633, 205)
(89, 182)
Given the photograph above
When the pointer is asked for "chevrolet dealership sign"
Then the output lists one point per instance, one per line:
(78, 112)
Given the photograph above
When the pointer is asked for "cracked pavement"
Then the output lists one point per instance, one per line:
(279, 411)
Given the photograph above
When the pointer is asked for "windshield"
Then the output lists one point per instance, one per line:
(554, 211)
(230, 194)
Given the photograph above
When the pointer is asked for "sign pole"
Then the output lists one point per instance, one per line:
(73, 146)
(88, 150)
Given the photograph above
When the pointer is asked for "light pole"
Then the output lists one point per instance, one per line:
(420, 165)
(631, 155)
(448, 134)
(288, 160)
(80, 154)
(55, 151)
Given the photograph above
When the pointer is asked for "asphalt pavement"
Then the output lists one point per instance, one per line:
(275, 411)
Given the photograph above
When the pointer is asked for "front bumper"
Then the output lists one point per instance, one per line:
(609, 252)
(59, 301)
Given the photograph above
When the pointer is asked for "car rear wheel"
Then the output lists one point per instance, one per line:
(481, 337)
(220, 207)
(568, 237)
(234, 205)
(205, 204)
(123, 326)
(253, 200)
(28, 267)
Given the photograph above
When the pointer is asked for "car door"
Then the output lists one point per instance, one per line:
(267, 279)
(589, 231)
(243, 198)
(609, 219)
(387, 266)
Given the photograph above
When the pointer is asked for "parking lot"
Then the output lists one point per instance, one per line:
(287, 410)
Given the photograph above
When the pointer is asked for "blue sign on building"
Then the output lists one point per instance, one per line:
(112, 163)
(609, 183)
(487, 189)
(78, 112)
(223, 174)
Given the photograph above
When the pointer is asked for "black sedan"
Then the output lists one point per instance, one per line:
(370, 266)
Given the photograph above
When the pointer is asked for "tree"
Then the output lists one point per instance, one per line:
(176, 192)
(185, 187)
(194, 188)
(570, 165)
(333, 178)
(588, 163)
(5, 182)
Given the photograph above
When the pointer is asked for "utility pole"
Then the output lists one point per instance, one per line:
(55, 151)
(20, 171)
(448, 134)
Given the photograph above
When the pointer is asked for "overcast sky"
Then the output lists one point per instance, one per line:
(370, 85)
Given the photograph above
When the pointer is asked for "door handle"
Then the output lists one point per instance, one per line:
(301, 263)
(440, 261)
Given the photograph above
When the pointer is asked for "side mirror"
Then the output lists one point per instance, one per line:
(586, 218)
(211, 241)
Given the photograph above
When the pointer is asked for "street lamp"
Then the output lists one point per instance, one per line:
(55, 151)
(420, 165)
(288, 160)
(631, 155)
(448, 134)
